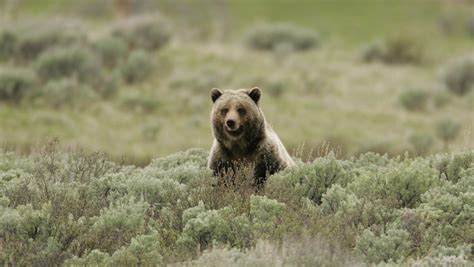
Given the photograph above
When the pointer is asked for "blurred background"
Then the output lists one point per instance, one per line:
(132, 77)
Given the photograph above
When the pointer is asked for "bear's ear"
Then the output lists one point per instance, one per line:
(255, 94)
(215, 94)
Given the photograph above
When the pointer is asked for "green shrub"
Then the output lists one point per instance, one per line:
(458, 75)
(447, 130)
(65, 92)
(447, 214)
(112, 50)
(375, 51)
(93, 258)
(278, 36)
(264, 215)
(441, 98)
(392, 246)
(75, 209)
(393, 50)
(125, 220)
(414, 100)
(397, 185)
(310, 180)
(8, 43)
(143, 32)
(451, 167)
(421, 142)
(195, 157)
(138, 67)
(15, 84)
(76, 63)
(157, 192)
(35, 37)
(305, 252)
(210, 227)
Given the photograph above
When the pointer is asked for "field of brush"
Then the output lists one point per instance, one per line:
(341, 81)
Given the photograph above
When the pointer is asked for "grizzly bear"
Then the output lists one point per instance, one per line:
(242, 137)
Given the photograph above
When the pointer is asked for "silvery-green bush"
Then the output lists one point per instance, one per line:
(74, 62)
(138, 67)
(112, 50)
(393, 50)
(414, 100)
(33, 37)
(458, 75)
(143, 32)
(77, 208)
(275, 37)
(15, 84)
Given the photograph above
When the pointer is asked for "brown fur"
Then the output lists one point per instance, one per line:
(253, 142)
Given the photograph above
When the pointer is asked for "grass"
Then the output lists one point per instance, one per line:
(349, 103)
(334, 97)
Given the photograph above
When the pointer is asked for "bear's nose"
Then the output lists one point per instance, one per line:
(230, 124)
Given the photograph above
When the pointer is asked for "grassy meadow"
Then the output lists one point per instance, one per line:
(335, 97)
(375, 100)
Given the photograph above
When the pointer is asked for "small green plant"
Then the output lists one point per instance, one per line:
(393, 50)
(143, 32)
(392, 246)
(138, 67)
(15, 84)
(38, 36)
(274, 37)
(310, 180)
(421, 142)
(76, 63)
(458, 75)
(414, 99)
(112, 50)
(375, 51)
(441, 98)
(8, 42)
(447, 130)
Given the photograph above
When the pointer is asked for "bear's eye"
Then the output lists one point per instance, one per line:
(241, 111)
(224, 110)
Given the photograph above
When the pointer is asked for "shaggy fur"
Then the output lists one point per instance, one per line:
(250, 142)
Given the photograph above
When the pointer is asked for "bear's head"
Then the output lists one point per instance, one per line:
(236, 116)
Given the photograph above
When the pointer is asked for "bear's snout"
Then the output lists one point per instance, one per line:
(231, 124)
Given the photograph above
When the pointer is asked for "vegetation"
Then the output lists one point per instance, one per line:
(142, 68)
(394, 50)
(76, 208)
(459, 75)
(15, 84)
(447, 130)
(281, 36)
(133, 82)
(414, 100)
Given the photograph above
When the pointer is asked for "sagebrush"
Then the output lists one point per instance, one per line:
(77, 208)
